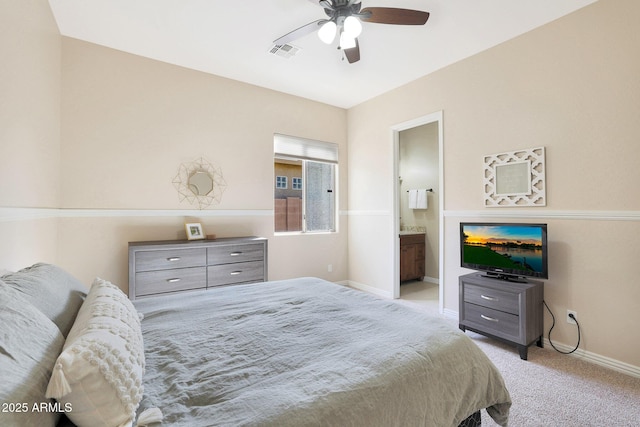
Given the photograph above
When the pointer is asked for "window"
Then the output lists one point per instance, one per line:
(310, 204)
(296, 183)
(281, 182)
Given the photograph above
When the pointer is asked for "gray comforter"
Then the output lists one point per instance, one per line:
(306, 352)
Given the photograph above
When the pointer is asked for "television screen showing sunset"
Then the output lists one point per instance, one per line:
(510, 247)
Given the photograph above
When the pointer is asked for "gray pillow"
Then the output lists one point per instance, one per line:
(29, 346)
(50, 289)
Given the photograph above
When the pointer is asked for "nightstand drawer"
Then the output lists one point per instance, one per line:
(226, 274)
(503, 309)
(170, 259)
(496, 322)
(161, 281)
(235, 253)
(492, 298)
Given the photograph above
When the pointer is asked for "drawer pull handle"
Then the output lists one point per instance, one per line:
(173, 280)
(489, 298)
(173, 259)
(235, 253)
(235, 273)
(490, 319)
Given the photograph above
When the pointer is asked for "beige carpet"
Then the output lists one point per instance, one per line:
(550, 389)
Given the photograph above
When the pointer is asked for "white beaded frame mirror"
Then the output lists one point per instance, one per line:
(515, 178)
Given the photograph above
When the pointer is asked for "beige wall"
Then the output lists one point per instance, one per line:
(29, 132)
(127, 125)
(571, 86)
(91, 139)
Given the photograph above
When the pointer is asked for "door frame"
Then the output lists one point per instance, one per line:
(395, 134)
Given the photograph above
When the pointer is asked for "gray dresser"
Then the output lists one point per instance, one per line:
(172, 266)
(509, 311)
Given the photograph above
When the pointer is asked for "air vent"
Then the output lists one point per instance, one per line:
(284, 50)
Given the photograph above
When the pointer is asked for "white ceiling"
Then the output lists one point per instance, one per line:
(232, 38)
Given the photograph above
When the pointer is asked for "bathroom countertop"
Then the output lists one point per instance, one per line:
(408, 233)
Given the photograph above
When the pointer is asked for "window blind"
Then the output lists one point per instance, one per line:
(302, 148)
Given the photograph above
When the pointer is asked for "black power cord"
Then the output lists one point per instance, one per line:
(554, 324)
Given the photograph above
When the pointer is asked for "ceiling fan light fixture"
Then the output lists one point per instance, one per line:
(346, 41)
(352, 27)
(344, 20)
(327, 33)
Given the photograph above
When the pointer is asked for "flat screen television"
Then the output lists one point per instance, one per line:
(509, 251)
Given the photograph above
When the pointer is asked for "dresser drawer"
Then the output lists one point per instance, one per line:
(228, 254)
(170, 259)
(496, 322)
(226, 274)
(161, 281)
(165, 266)
(492, 298)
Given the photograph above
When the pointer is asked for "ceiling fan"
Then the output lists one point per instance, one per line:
(344, 21)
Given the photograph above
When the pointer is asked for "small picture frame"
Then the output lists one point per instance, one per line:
(194, 231)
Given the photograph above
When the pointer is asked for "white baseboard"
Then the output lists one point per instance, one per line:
(450, 314)
(598, 359)
(367, 288)
(433, 280)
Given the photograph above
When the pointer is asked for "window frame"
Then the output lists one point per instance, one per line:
(282, 178)
(305, 150)
(297, 183)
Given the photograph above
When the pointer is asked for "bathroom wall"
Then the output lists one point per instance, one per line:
(418, 168)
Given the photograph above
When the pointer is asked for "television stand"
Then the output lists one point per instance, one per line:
(508, 311)
(505, 277)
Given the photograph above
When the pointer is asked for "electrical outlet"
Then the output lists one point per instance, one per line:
(569, 319)
(330, 268)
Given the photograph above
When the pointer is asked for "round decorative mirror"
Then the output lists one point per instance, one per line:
(200, 183)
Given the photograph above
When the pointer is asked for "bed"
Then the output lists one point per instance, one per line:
(301, 352)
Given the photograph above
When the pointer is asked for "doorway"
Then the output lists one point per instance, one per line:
(418, 167)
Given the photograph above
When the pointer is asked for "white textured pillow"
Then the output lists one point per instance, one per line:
(99, 372)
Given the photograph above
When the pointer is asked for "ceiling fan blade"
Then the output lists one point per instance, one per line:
(392, 15)
(300, 32)
(353, 54)
(326, 4)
